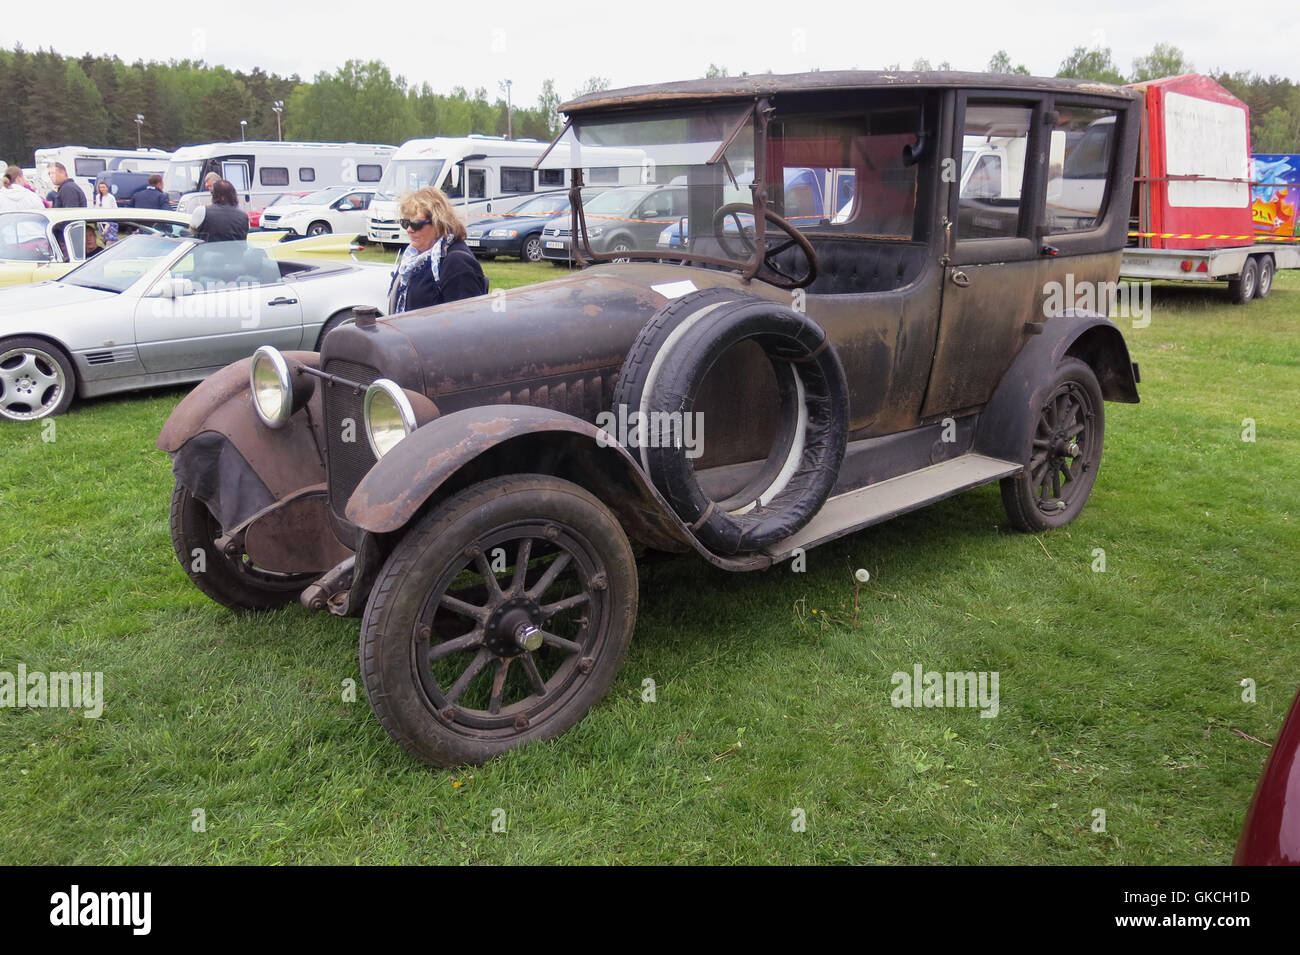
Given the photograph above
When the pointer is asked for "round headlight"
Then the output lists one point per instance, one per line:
(388, 415)
(268, 377)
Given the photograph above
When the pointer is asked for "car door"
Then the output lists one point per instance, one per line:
(350, 213)
(216, 304)
(991, 276)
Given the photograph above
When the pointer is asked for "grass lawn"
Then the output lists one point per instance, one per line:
(1119, 690)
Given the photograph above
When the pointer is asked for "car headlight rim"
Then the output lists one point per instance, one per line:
(400, 416)
(267, 358)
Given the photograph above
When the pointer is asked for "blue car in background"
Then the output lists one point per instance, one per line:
(518, 232)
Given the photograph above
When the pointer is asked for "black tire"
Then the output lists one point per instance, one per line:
(1266, 271)
(319, 228)
(36, 379)
(426, 654)
(662, 375)
(334, 321)
(531, 248)
(1242, 289)
(620, 244)
(1053, 488)
(229, 580)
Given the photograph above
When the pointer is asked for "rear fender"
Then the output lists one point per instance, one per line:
(1006, 424)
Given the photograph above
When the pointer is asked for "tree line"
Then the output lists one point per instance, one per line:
(94, 100)
(55, 100)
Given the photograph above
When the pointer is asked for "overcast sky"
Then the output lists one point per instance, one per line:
(479, 44)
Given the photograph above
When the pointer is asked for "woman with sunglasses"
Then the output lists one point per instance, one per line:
(437, 266)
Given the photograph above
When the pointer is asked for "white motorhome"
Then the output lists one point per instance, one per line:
(261, 171)
(85, 163)
(482, 175)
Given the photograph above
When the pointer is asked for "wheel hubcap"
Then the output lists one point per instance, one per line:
(31, 384)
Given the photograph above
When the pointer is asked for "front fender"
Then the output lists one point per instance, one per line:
(467, 446)
(228, 458)
(1005, 428)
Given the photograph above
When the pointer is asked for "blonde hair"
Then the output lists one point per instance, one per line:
(431, 203)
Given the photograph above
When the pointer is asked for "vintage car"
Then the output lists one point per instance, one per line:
(618, 221)
(155, 310)
(341, 209)
(469, 479)
(44, 244)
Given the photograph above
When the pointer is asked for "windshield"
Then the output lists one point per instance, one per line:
(119, 266)
(552, 205)
(407, 175)
(322, 198)
(616, 202)
(182, 177)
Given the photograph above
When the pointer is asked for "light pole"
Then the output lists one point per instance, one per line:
(505, 85)
(278, 107)
(139, 121)
(243, 125)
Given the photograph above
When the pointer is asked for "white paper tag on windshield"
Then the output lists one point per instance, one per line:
(674, 289)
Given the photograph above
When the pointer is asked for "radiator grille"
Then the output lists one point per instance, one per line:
(349, 461)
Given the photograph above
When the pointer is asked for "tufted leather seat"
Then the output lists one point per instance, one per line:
(847, 266)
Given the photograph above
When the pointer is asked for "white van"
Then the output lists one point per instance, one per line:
(85, 163)
(261, 171)
(482, 175)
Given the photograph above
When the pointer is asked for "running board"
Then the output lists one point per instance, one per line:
(853, 510)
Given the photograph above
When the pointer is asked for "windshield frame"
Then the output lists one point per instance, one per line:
(750, 112)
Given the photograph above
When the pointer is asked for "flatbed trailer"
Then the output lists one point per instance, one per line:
(1248, 269)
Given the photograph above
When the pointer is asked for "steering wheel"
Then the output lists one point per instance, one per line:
(796, 238)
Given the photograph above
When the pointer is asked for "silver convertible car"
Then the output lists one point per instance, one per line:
(156, 310)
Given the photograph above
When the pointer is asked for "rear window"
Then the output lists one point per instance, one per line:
(273, 176)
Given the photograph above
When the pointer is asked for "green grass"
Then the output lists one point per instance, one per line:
(1119, 690)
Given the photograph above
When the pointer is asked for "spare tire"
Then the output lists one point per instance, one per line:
(662, 375)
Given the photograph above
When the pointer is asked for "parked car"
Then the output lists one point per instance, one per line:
(519, 231)
(287, 198)
(156, 310)
(618, 221)
(1271, 832)
(514, 447)
(340, 209)
(44, 244)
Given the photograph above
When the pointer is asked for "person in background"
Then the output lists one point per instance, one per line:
(14, 197)
(152, 195)
(67, 194)
(437, 266)
(104, 199)
(223, 220)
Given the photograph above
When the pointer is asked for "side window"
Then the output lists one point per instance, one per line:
(477, 183)
(236, 173)
(369, 172)
(1082, 144)
(515, 179)
(995, 139)
(273, 176)
(23, 238)
(215, 266)
(550, 177)
(88, 168)
(306, 174)
(602, 176)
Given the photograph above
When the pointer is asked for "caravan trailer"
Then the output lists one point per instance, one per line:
(261, 171)
(481, 175)
(85, 163)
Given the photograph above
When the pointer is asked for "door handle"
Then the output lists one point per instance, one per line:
(960, 279)
(283, 301)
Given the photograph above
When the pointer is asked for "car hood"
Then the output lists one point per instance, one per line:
(23, 299)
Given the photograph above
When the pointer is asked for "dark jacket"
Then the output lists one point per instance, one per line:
(462, 277)
(223, 224)
(150, 197)
(69, 196)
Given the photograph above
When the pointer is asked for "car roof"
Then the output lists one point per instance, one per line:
(768, 84)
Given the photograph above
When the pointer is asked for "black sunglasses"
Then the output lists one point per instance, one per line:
(416, 224)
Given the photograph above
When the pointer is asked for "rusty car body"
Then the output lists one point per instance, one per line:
(468, 478)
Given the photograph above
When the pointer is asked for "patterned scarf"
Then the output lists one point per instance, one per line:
(412, 260)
